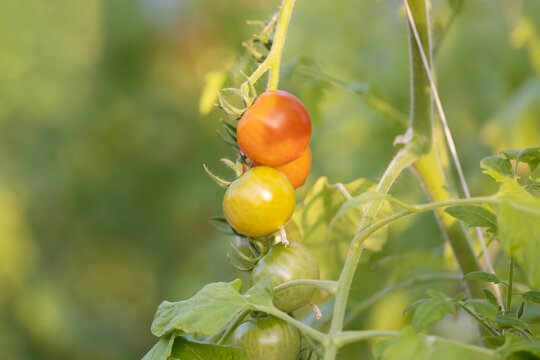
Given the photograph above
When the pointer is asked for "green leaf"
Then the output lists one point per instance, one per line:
(517, 348)
(211, 308)
(482, 276)
(531, 156)
(483, 307)
(205, 313)
(261, 294)
(496, 167)
(532, 296)
(519, 228)
(184, 349)
(162, 350)
(532, 184)
(474, 215)
(414, 305)
(520, 310)
(407, 345)
(491, 298)
(459, 297)
(507, 321)
(495, 341)
(432, 310)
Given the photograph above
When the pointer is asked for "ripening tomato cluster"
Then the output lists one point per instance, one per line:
(273, 134)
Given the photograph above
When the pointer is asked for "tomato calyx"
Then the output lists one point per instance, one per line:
(246, 252)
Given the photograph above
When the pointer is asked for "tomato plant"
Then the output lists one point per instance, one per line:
(287, 263)
(342, 223)
(259, 202)
(269, 338)
(275, 130)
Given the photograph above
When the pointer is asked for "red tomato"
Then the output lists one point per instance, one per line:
(275, 130)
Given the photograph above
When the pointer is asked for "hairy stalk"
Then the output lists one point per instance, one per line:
(308, 330)
(491, 330)
(273, 60)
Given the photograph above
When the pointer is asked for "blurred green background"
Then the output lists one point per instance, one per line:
(103, 198)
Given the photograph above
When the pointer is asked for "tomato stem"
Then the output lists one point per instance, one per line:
(326, 285)
(273, 60)
(277, 44)
(510, 284)
(232, 326)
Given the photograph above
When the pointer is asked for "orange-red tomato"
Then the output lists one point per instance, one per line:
(275, 130)
(296, 171)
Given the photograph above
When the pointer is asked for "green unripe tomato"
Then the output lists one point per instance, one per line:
(287, 263)
(267, 338)
(259, 202)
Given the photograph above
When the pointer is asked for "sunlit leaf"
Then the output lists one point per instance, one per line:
(496, 167)
(519, 226)
(530, 156)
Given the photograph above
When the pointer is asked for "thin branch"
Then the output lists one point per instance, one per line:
(326, 285)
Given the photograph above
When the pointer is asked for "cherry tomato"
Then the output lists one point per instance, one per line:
(267, 338)
(275, 130)
(259, 202)
(296, 171)
(287, 263)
